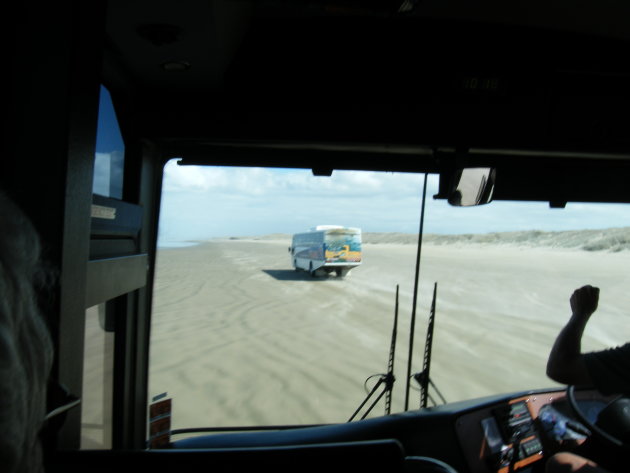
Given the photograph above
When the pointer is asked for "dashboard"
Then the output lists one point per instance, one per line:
(517, 434)
(497, 434)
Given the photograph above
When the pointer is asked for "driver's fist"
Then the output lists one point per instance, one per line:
(584, 301)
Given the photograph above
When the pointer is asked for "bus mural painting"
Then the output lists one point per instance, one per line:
(326, 248)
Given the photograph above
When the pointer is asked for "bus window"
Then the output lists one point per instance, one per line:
(98, 381)
(243, 335)
(110, 151)
(230, 310)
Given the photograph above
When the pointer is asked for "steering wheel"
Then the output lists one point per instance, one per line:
(615, 416)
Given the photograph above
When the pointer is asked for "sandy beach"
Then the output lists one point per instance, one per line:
(240, 338)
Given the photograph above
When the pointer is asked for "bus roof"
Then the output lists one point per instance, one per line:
(320, 228)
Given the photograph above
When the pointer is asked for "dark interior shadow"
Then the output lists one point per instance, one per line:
(293, 275)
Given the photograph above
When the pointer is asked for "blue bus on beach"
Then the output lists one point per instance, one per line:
(326, 248)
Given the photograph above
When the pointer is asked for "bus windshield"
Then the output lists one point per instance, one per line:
(244, 335)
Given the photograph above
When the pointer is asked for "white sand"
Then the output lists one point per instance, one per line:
(239, 338)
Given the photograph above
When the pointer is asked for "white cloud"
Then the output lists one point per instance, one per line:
(260, 181)
(100, 184)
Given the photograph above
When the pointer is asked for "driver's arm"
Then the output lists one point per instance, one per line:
(566, 362)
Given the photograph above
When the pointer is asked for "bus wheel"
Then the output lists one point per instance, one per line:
(310, 269)
(339, 272)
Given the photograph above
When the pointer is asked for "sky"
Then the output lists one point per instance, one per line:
(110, 150)
(201, 202)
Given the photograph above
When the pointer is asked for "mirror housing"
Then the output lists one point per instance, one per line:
(472, 186)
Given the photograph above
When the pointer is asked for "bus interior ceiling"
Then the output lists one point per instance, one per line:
(360, 87)
(539, 92)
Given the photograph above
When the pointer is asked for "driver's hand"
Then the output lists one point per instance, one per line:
(584, 301)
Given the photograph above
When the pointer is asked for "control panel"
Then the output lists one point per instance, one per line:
(511, 437)
(502, 438)
(515, 434)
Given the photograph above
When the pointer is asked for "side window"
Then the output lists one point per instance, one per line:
(98, 365)
(110, 151)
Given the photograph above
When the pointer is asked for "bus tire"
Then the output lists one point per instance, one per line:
(311, 271)
(339, 272)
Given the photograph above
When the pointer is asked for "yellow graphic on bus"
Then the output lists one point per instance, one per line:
(343, 255)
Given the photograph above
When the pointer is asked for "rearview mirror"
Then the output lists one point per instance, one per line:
(472, 186)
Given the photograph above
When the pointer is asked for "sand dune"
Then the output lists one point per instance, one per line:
(610, 239)
(239, 338)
